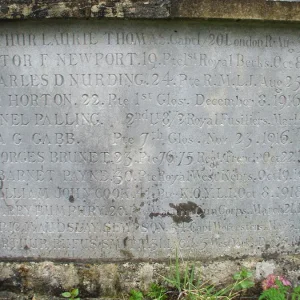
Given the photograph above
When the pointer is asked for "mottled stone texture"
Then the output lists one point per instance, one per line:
(152, 9)
(46, 280)
(85, 9)
(237, 9)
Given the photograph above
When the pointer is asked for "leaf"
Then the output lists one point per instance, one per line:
(237, 276)
(296, 293)
(67, 294)
(246, 273)
(75, 292)
(243, 274)
(272, 294)
(297, 289)
(136, 295)
(246, 284)
(157, 292)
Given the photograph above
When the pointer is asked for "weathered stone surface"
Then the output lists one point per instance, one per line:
(129, 141)
(47, 280)
(114, 281)
(97, 281)
(236, 9)
(153, 9)
(85, 9)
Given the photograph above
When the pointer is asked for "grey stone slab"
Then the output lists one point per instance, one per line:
(131, 140)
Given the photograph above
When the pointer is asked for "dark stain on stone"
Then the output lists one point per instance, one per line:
(26, 247)
(270, 255)
(182, 219)
(4, 9)
(71, 199)
(126, 253)
(38, 12)
(153, 214)
(185, 209)
(65, 14)
(125, 241)
(101, 13)
(1, 189)
(17, 15)
(183, 212)
(267, 246)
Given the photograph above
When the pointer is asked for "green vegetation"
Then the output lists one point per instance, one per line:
(186, 285)
(278, 288)
(136, 295)
(157, 292)
(72, 295)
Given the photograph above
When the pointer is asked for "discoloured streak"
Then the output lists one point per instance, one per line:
(183, 212)
(125, 241)
(2, 192)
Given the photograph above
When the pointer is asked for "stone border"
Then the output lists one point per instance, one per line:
(151, 9)
(47, 280)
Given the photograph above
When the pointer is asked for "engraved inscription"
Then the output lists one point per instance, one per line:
(132, 140)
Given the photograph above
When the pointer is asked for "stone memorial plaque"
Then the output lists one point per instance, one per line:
(129, 140)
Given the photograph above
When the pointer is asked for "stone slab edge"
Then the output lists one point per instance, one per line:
(151, 9)
(47, 280)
